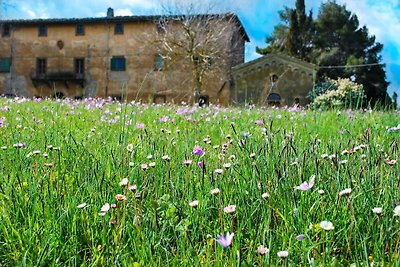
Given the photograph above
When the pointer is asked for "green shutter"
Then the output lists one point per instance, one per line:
(5, 65)
(159, 62)
(118, 63)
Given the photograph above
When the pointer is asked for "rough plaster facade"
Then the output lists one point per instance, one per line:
(61, 47)
(274, 79)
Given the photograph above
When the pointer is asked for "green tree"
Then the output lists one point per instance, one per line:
(335, 42)
(340, 41)
(294, 35)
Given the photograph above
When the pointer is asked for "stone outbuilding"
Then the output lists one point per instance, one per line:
(274, 79)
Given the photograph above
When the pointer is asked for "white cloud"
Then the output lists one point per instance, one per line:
(123, 12)
(382, 20)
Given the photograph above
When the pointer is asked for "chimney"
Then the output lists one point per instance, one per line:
(110, 12)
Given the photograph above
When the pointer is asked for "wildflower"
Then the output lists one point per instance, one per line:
(152, 164)
(131, 164)
(262, 250)
(197, 150)
(99, 247)
(166, 157)
(218, 171)
(81, 206)
(321, 192)
(139, 125)
(129, 147)
(283, 254)
(194, 203)
(227, 165)
(232, 157)
(391, 161)
(377, 211)
(200, 164)
(164, 119)
(225, 241)
(187, 162)
(215, 191)
(324, 156)
(300, 237)
(104, 209)
(265, 195)
(397, 211)
(120, 197)
(144, 166)
(113, 205)
(124, 181)
(326, 225)
(259, 122)
(149, 156)
(231, 209)
(306, 186)
(132, 187)
(252, 155)
(346, 191)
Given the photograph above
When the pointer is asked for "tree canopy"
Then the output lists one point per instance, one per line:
(335, 42)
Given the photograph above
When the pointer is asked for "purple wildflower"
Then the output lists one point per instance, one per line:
(164, 119)
(260, 122)
(225, 241)
(139, 125)
(197, 150)
(200, 164)
(306, 186)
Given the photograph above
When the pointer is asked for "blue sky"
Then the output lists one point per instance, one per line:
(382, 18)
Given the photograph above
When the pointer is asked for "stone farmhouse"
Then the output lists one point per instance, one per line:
(137, 58)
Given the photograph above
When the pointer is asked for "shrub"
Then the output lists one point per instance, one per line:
(341, 93)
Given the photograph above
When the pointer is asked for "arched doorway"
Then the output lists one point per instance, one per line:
(274, 99)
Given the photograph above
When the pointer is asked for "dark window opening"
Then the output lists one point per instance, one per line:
(43, 30)
(79, 66)
(117, 98)
(80, 29)
(203, 100)
(118, 63)
(6, 30)
(5, 64)
(274, 78)
(160, 26)
(119, 28)
(159, 99)
(159, 63)
(41, 66)
(58, 95)
(274, 99)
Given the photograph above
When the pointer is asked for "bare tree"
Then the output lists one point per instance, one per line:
(201, 43)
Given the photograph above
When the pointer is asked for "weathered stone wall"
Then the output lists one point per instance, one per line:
(97, 46)
(258, 81)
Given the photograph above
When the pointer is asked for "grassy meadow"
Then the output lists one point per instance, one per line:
(100, 183)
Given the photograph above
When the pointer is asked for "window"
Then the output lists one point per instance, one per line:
(6, 30)
(43, 30)
(5, 64)
(274, 78)
(80, 29)
(41, 66)
(119, 28)
(160, 26)
(118, 63)
(79, 66)
(159, 62)
(159, 99)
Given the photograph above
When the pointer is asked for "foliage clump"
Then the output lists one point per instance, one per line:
(340, 93)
